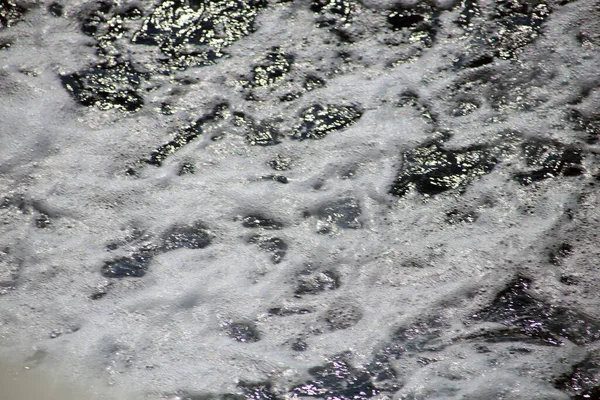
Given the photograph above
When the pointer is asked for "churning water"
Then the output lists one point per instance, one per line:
(271, 199)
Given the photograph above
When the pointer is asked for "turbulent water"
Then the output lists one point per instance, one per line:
(270, 199)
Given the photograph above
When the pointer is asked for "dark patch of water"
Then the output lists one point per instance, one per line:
(520, 23)
(287, 311)
(134, 266)
(290, 96)
(583, 381)
(98, 295)
(257, 134)
(95, 17)
(419, 22)
(192, 33)
(380, 368)
(431, 169)
(312, 82)
(314, 282)
(56, 9)
(277, 66)
(274, 245)
(455, 216)
(569, 280)
(5, 43)
(420, 337)
(258, 390)
(338, 380)
(344, 213)
(589, 125)
(465, 108)
(42, 221)
(548, 160)
(107, 86)
(319, 120)
(560, 252)
(131, 12)
(243, 331)
(276, 178)
(186, 169)
(11, 12)
(280, 163)
(186, 135)
(506, 335)
(332, 12)
(404, 19)
(195, 236)
(259, 221)
(469, 10)
(515, 307)
(299, 346)
(185, 395)
(473, 60)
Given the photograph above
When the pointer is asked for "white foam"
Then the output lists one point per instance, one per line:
(164, 333)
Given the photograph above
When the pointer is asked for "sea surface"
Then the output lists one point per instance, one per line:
(294, 199)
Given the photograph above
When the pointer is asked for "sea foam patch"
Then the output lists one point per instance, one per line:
(308, 199)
